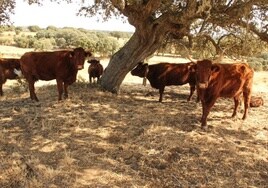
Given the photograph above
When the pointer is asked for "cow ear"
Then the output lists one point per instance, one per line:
(215, 68)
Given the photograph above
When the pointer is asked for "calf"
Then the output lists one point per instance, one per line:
(256, 101)
(9, 69)
(166, 74)
(223, 80)
(60, 65)
(95, 70)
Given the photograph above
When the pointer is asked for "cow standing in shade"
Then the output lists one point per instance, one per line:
(216, 80)
(60, 65)
(95, 70)
(9, 69)
(166, 74)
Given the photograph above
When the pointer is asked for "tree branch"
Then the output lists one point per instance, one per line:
(262, 35)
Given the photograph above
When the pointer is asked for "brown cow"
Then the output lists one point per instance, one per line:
(9, 69)
(60, 65)
(166, 74)
(223, 80)
(95, 70)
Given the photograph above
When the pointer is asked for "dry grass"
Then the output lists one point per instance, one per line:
(97, 139)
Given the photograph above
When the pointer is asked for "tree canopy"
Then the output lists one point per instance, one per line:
(212, 18)
(6, 8)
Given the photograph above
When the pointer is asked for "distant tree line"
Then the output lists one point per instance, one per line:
(107, 43)
(104, 42)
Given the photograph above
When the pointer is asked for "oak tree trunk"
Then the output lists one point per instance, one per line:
(143, 43)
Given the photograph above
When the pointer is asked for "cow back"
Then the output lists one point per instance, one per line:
(170, 74)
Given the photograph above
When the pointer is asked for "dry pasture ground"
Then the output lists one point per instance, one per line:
(98, 139)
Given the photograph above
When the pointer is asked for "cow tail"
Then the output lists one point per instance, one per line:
(145, 75)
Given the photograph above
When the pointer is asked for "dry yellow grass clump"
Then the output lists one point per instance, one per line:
(98, 139)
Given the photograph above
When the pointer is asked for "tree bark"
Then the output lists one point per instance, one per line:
(143, 43)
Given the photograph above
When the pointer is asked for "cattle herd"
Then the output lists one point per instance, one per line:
(210, 78)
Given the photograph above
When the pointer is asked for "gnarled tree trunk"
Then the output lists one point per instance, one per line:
(142, 44)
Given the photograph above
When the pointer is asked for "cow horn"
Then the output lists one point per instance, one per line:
(145, 75)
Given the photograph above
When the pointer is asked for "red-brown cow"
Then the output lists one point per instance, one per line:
(9, 69)
(223, 80)
(95, 70)
(60, 65)
(166, 74)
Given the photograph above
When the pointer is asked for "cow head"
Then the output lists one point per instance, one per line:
(204, 70)
(78, 56)
(140, 70)
(93, 61)
(14, 69)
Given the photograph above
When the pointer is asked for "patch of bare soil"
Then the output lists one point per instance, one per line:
(98, 139)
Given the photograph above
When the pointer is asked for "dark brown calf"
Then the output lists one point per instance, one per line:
(60, 65)
(223, 80)
(9, 69)
(166, 74)
(95, 70)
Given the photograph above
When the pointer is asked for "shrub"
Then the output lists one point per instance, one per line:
(44, 44)
(255, 63)
(25, 41)
(263, 56)
(34, 28)
(7, 41)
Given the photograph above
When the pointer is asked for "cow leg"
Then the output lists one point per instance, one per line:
(60, 88)
(65, 90)
(161, 91)
(192, 89)
(247, 96)
(1, 89)
(206, 107)
(236, 102)
(31, 88)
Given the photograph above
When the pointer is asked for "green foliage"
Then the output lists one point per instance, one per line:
(120, 34)
(44, 44)
(34, 28)
(5, 28)
(18, 30)
(6, 41)
(263, 56)
(102, 42)
(51, 27)
(24, 41)
(260, 62)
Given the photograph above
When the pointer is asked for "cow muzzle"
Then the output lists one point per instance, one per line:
(203, 85)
